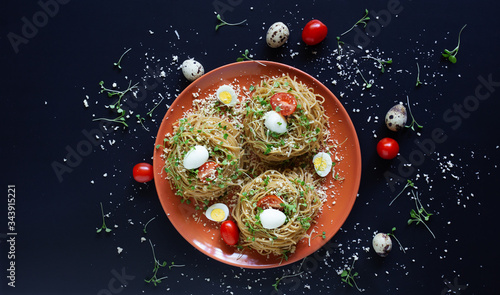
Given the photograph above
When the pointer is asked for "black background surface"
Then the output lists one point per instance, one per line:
(61, 62)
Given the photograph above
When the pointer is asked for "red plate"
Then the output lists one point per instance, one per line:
(205, 235)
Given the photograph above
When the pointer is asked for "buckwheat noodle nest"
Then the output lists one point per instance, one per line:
(297, 189)
(307, 126)
(221, 140)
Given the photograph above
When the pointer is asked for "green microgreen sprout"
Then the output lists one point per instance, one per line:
(363, 21)
(117, 105)
(278, 280)
(118, 63)
(120, 119)
(103, 227)
(409, 183)
(413, 121)
(119, 93)
(224, 23)
(140, 120)
(157, 266)
(322, 235)
(245, 56)
(420, 215)
(367, 84)
(391, 234)
(452, 55)
(381, 62)
(175, 265)
(349, 277)
(418, 76)
(146, 225)
(150, 113)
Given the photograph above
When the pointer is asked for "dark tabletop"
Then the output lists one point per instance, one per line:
(56, 172)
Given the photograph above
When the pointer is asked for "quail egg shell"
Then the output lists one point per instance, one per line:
(322, 163)
(195, 157)
(275, 122)
(277, 34)
(217, 212)
(226, 95)
(192, 70)
(272, 218)
(382, 244)
(396, 117)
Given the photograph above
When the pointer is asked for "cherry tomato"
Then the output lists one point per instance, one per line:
(314, 32)
(387, 148)
(286, 103)
(230, 232)
(271, 201)
(208, 171)
(143, 172)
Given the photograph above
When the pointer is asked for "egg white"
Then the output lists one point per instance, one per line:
(195, 157)
(275, 122)
(322, 163)
(225, 90)
(272, 218)
(221, 206)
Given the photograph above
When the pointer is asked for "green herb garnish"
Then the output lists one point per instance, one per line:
(363, 21)
(118, 63)
(380, 62)
(418, 76)
(367, 85)
(103, 227)
(391, 234)
(224, 23)
(278, 280)
(150, 113)
(451, 55)
(409, 183)
(146, 225)
(347, 276)
(413, 121)
(420, 215)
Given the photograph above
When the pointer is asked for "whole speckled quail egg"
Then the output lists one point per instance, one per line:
(277, 35)
(382, 244)
(396, 117)
(192, 69)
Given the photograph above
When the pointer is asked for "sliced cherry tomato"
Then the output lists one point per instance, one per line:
(314, 32)
(208, 171)
(387, 148)
(271, 201)
(284, 103)
(230, 232)
(143, 172)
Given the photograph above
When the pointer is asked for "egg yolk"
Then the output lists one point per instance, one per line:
(320, 164)
(225, 97)
(217, 214)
